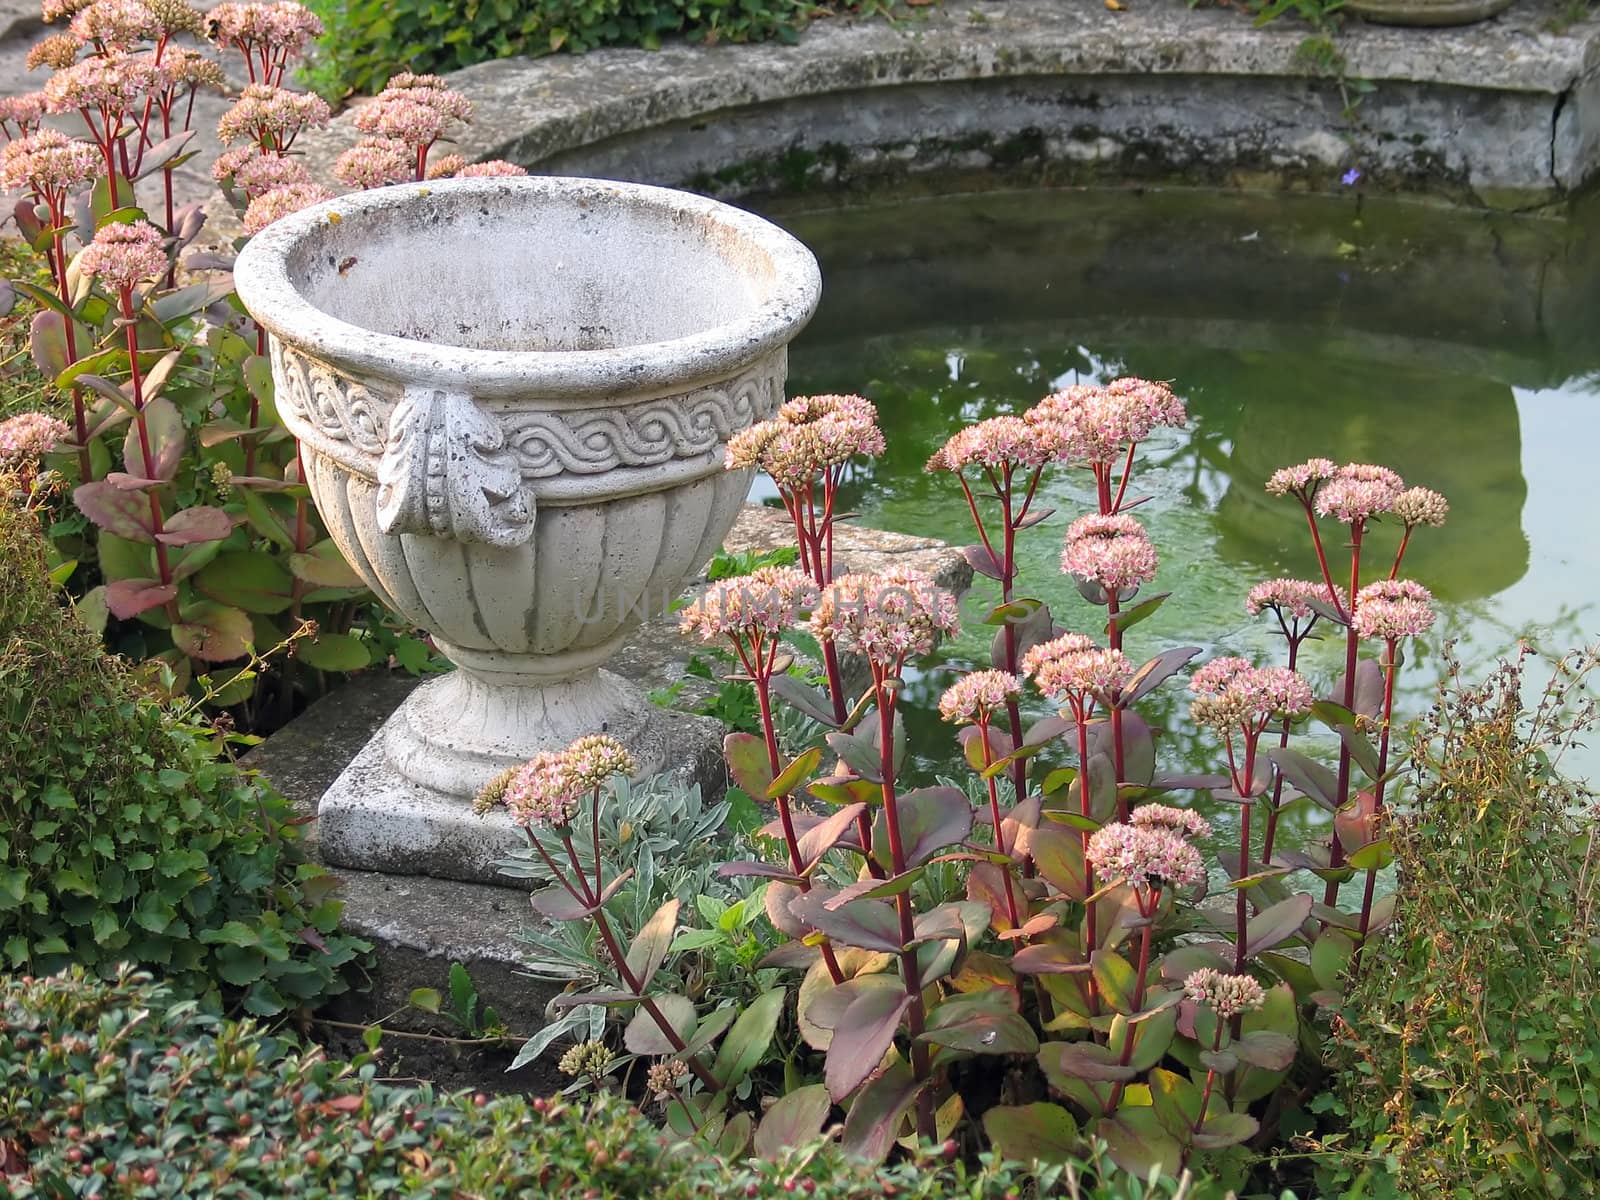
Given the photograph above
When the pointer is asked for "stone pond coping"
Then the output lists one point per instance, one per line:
(419, 925)
(1504, 112)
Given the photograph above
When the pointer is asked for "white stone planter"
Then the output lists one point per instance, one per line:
(512, 398)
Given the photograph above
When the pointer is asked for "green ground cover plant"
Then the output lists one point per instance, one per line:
(368, 40)
(113, 1088)
(125, 837)
(1470, 1054)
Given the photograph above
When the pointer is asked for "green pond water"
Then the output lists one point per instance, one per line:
(1459, 349)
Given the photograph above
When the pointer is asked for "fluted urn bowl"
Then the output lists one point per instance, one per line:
(512, 399)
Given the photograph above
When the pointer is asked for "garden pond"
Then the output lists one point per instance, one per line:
(1455, 347)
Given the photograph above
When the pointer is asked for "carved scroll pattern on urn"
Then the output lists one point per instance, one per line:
(592, 442)
(546, 444)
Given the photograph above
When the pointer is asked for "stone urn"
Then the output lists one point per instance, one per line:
(512, 399)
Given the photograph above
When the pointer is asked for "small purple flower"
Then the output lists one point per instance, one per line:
(1353, 175)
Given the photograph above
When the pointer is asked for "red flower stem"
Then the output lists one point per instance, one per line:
(915, 1014)
(1390, 669)
(1322, 557)
(1400, 553)
(1008, 579)
(999, 830)
(57, 256)
(1147, 910)
(762, 679)
(1351, 645)
(1211, 1078)
(131, 336)
(594, 827)
(1091, 935)
(633, 983)
(1127, 473)
(972, 507)
(1277, 780)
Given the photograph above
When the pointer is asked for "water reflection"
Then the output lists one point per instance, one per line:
(1422, 347)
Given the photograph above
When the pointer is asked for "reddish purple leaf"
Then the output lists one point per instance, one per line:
(869, 924)
(127, 598)
(862, 1037)
(202, 524)
(162, 431)
(214, 633)
(124, 482)
(47, 339)
(126, 514)
(873, 1125)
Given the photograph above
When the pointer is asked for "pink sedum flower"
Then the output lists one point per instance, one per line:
(1146, 856)
(113, 83)
(1112, 551)
(1071, 668)
(376, 162)
(24, 112)
(590, 761)
(271, 117)
(27, 437)
(280, 202)
(975, 698)
(115, 24)
(1097, 425)
(1163, 816)
(1420, 506)
(1292, 599)
(415, 109)
(122, 256)
(996, 443)
(766, 601)
(494, 168)
(809, 436)
(262, 173)
(542, 792)
(1224, 994)
(1392, 609)
(1359, 491)
(1230, 693)
(47, 163)
(1302, 481)
(58, 52)
(54, 10)
(887, 617)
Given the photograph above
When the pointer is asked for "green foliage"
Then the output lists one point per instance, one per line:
(368, 40)
(1471, 1048)
(465, 1007)
(113, 1089)
(122, 835)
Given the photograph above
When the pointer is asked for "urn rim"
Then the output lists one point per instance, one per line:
(263, 280)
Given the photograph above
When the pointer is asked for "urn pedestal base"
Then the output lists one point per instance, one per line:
(404, 804)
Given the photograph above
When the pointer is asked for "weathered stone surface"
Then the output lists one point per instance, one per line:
(1502, 112)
